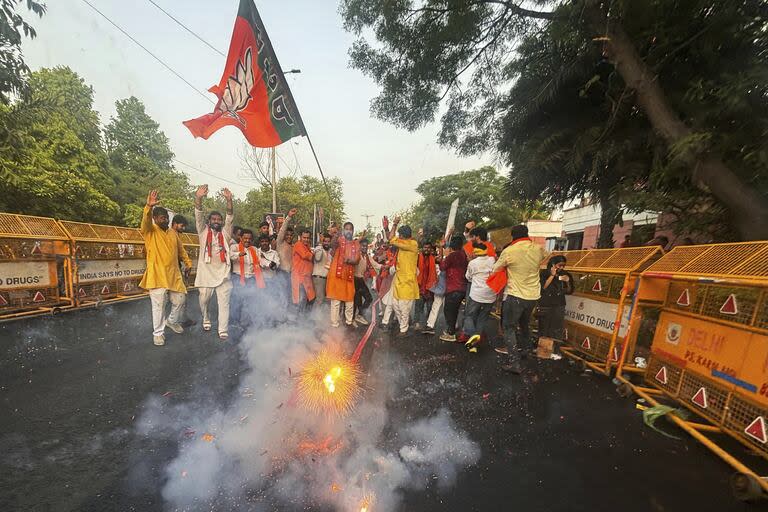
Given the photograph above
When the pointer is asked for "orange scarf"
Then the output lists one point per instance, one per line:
(427, 273)
(208, 247)
(347, 249)
(256, 265)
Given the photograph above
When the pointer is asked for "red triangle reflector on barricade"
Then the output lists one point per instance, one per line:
(661, 376)
(102, 250)
(36, 249)
(105, 290)
(730, 307)
(700, 398)
(598, 286)
(3, 301)
(81, 292)
(586, 344)
(684, 299)
(756, 430)
(39, 297)
(127, 287)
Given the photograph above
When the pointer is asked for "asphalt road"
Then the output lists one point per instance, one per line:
(73, 386)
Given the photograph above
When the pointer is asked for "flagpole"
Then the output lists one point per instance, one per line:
(320, 167)
(274, 183)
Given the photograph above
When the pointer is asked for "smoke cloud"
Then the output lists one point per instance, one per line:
(264, 452)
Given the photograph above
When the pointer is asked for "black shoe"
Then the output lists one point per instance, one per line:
(512, 368)
(428, 331)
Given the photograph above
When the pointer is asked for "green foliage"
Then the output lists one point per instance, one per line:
(51, 148)
(481, 198)
(301, 193)
(13, 69)
(537, 88)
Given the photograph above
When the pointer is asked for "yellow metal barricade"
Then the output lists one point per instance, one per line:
(109, 262)
(35, 273)
(191, 244)
(597, 314)
(710, 347)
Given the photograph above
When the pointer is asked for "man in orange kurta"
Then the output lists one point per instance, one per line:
(340, 285)
(301, 271)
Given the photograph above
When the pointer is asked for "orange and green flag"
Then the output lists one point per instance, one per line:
(253, 93)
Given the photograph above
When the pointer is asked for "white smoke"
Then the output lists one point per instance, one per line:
(252, 463)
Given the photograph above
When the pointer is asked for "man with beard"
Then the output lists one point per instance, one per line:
(162, 277)
(427, 279)
(405, 285)
(246, 269)
(302, 288)
(340, 286)
(214, 261)
(321, 263)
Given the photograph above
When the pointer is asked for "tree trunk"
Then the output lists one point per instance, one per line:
(609, 215)
(749, 210)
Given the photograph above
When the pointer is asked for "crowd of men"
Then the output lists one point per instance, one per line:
(412, 278)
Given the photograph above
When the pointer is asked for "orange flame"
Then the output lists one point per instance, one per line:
(208, 437)
(325, 446)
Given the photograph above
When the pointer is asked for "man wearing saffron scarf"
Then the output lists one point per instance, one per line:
(247, 275)
(522, 260)
(405, 285)
(340, 285)
(302, 288)
(213, 263)
(364, 269)
(163, 277)
(427, 279)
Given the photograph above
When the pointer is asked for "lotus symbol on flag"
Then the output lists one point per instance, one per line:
(238, 92)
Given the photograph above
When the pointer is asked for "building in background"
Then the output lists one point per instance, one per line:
(581, 227)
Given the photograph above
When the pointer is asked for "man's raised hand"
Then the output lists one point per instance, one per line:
(292, 212)
(202, 191)
(153, 199)
(225, 192)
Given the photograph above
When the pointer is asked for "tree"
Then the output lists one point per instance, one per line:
(51, 149)
(13, 69)
(302, 193)
(481, 198)
(425, 49)
(140, 159)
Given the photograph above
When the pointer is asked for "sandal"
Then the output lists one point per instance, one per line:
(206, 326)
(223, 336)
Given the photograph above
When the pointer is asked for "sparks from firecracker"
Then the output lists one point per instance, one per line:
(329, 383)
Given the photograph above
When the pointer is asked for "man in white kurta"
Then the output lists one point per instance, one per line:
(213, 264)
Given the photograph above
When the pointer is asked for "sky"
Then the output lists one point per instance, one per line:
(379, 164)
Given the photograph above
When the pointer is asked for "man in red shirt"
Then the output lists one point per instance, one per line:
(455, 267)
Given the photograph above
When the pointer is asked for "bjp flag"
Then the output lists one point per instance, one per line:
(253, 94)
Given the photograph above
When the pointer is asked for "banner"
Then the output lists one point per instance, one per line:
(595, 314)
(89, 271)
(452, 217)
(26, 274)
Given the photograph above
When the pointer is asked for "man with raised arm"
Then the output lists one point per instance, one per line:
(162, 278)
(215, 232)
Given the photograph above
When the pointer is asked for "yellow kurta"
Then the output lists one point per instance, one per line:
(164, 249)
(406, 286)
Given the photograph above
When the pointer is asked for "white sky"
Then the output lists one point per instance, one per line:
(379, 164)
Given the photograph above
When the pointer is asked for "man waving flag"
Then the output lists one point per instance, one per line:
(253, 94)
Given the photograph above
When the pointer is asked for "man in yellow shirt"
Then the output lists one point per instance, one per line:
(163, 276)
(522, 260)
(405, 288)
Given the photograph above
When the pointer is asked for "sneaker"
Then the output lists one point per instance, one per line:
(512, 368)
(158, 340)
(361, 320)
(502, 350)
(428, 330)
(178, 329)
(471, 341)
(449, 338)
